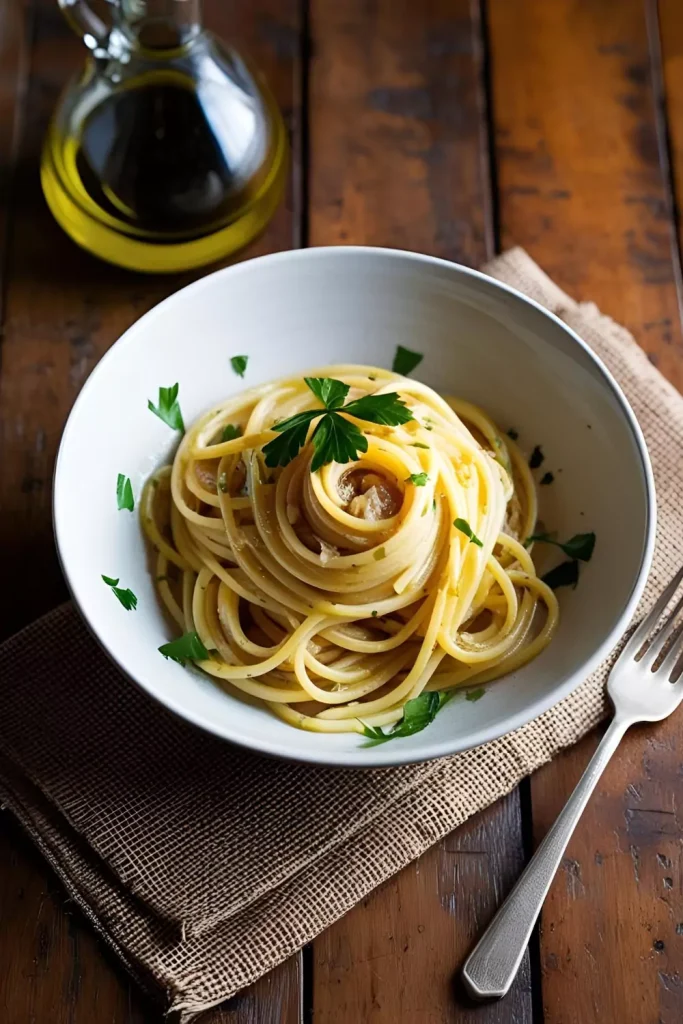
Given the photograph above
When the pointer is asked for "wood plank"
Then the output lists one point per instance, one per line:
(15, 31)
(55, 969)
(394, 958)
(398, 143)
(671, 42)
(578, 155)
(63, 310)
(398, 148)
(582, 185)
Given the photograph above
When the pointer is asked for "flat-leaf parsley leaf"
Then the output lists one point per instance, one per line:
(332, 393)
(375, 734)
(292, 434)
(124, 493)
(405, 361)
(388, 409)
(187, 647)
(537, 457)
(126, 597)
(335, 439)
(239, 364)
(168, 408)
(231, 432)
(579, 546)
(464, 527)
(419, 479)
(417, 715)
(566, 574)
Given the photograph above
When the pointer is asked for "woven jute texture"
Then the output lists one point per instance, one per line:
(203, 866)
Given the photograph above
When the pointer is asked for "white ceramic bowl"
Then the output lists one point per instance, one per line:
(297, 310)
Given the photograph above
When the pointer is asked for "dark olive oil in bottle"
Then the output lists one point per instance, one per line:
(166, 153)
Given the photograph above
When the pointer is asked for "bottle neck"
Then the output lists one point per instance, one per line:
(162, 24)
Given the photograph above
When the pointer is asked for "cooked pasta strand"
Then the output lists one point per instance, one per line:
(352, 589)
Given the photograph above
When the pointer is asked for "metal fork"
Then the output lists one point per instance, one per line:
(639, 694)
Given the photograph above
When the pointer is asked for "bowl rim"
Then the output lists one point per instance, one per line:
(391, 755)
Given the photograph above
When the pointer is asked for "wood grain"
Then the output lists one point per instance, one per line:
(671, 41)
(15, 31)
(398, 144)
(63, 309)
(580, 146)
(394, 958)
(398, 157)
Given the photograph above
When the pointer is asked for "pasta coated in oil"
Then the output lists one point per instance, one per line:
(336, 596)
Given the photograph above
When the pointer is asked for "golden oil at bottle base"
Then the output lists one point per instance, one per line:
(165, 154)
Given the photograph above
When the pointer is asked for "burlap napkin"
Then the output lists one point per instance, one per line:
(203, 866)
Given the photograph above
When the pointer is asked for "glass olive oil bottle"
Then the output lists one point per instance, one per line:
(166, 152)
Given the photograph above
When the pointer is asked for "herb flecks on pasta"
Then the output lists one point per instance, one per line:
(348, 549)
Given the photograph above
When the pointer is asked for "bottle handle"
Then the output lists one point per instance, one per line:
(85, 23)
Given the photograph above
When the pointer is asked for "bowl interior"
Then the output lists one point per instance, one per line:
(304, 310)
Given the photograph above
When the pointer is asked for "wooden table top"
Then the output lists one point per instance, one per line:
(454, 127)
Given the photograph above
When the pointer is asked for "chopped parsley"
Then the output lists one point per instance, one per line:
(378, 554)
(292, 434)
(187, 647)
(124, 493)
(419, 479)
(537, 457)
(332, 393)
(231, 432)
(579, 546)
(335, 439)
(417, 715)
(566, 574)
(374, 615)
(388, 409)
(405, 361)
(547, 478)
(168, 408)
(434, 505)
(512, 433)
(418, 444)
(126, 597)
(464, 527)
(239, 364)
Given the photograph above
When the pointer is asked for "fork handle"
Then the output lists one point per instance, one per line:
(491, 967)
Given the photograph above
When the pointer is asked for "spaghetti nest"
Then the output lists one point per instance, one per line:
(338, 595)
